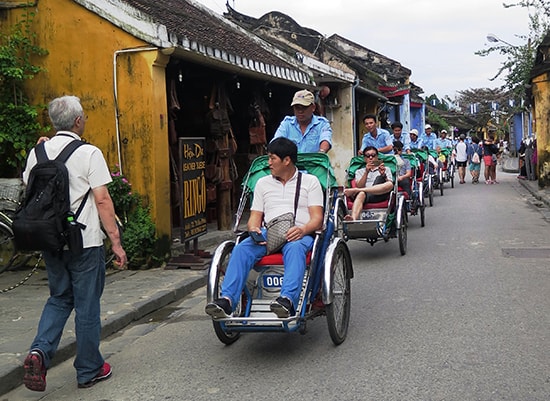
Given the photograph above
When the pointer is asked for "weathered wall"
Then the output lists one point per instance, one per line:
(81, 46)
(342, 134)
(541, 94)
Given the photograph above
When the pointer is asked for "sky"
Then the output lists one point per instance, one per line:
(436, 39)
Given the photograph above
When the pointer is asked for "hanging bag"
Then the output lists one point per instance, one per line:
(257, 128)
(278, 227)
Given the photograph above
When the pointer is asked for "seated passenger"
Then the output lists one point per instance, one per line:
(405, 172)
(274, 195)
(432, 163)
(373, 183)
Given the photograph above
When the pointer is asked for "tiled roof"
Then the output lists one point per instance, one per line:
(194, 28)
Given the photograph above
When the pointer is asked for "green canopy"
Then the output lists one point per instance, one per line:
(422, 154)
(411, 157)
(317, 164)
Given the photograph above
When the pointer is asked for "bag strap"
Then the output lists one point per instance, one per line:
(67, 151)
(297, 193)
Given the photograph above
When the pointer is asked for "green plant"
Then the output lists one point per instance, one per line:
(139, 238)
(19, 127)
(139, 233)
(121, 193)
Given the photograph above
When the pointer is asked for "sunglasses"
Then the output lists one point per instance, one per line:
(370, 155)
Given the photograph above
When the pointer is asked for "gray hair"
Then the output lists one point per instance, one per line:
(63, 111)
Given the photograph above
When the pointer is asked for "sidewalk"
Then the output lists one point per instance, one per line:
(510, 165)
(128, 296)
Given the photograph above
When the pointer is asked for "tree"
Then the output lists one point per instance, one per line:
(520, 59)
(489, 108)
(19, 127)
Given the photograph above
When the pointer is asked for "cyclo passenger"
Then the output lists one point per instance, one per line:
(273, 196)
(373, 183)
(404, 174)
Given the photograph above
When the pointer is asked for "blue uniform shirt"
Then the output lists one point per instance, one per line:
(443, 143)
(317, 131)
(428, 140)
(405, 139)
(416, 144)
(383, 138)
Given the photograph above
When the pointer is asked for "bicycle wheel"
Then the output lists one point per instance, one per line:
(7, 247)
(225, 336)
(338, 311)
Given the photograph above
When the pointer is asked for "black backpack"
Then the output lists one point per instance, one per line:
(44, 221)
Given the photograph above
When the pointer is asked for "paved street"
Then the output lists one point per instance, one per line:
(463, 316)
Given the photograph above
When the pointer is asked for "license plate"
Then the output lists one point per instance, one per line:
(367, 215)
(272, 280)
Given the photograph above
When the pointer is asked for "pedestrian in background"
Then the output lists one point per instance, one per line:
(475, 161)
(490, 151)
(461, 157)
(309, 132)
(76, 282)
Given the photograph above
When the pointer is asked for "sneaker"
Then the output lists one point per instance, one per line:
(220, 308)
(35, 371)
(103, 374)
(282, 307)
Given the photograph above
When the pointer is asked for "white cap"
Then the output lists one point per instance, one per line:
(428, 126)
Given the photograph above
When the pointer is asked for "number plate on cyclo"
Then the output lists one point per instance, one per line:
(272, 280)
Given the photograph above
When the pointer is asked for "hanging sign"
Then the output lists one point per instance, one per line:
(192, 187)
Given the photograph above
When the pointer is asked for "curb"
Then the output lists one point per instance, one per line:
(11, 374)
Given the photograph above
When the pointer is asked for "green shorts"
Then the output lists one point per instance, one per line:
(475, 166)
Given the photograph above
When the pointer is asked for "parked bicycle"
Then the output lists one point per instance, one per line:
(10, 257)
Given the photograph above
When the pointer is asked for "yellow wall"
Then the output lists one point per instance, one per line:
(541, 95)
(81, 46)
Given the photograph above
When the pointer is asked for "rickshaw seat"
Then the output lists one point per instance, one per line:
(367, 206)
(277, 259)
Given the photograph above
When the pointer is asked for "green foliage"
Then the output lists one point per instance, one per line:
(139, 238)
(520, 59)
(139, 231)
(437, 121)
(19, 128)
(121, 193)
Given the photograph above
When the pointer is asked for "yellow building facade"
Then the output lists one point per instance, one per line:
(91, 58)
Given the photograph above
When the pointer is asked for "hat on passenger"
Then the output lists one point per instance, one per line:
(414, 131)
(443, 131)
(303, 98)
(428, 126)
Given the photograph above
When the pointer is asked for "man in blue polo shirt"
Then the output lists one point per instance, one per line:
(309, 132)
(376, 137)
(428, 137)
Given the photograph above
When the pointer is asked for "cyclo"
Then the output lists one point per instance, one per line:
(426, 173)
(448, 168)
(326, 287)
(415, 200)
(378, 221)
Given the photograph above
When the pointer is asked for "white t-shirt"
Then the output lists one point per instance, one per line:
(461, 151)
(273, 199)
(372, 175)
(87, 169)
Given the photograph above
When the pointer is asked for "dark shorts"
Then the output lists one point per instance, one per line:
(461, 164)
